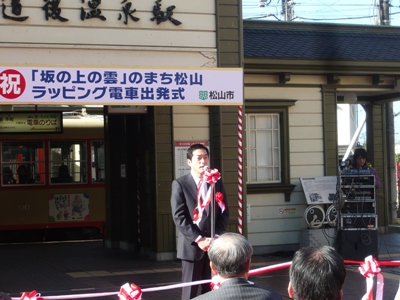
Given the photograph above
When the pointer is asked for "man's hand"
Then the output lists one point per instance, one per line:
(204, 243)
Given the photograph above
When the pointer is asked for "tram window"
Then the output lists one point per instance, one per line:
(22, 163)
(68, 162)
(98, 161)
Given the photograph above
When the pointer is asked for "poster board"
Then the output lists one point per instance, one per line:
(181, 166)
(68, 207)
(319, 190)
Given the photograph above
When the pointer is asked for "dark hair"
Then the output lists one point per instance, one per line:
(63, 170)
(360, 152)
(23, 174)
(22, 169)
(230, 254)
(317, 273)
(191, 149)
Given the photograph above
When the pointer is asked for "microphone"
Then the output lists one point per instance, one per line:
(206, 168)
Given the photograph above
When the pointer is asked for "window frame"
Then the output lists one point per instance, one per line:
(281, 107)
(31, 164)
(272, 154)
(46, 161)
(55, 162)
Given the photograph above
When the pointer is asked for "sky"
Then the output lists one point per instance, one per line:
(396, 109)
(356, 12)
(327, 11)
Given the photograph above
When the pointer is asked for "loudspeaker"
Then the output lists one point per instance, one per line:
(357, 244)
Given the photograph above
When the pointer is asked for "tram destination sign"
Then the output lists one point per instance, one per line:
(31, 122)
(120, 86)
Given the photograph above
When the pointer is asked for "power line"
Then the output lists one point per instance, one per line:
(346, 11)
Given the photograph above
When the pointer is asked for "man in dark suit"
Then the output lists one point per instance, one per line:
(230, 257)
(193, 223)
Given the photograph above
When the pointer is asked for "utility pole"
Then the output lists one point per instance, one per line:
(384, 16)
(287, 10)
(392, 165)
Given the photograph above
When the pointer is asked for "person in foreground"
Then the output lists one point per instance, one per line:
(195, 238)
(316, 273)
(230, 257)
(4, 296)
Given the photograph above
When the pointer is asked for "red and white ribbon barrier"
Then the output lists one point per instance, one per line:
(31, 296)
(369, 269)
(270, 269)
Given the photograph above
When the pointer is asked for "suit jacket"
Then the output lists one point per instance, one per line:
(183, 202)
(239, 288)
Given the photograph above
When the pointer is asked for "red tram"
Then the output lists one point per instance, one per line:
(54, 181)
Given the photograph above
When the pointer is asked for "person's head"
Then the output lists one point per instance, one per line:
(22, 170)
(197, 157)
(316, 273)
(63, 170)
(359, 157)
(23, 174)
(4, 296)
(230, 255)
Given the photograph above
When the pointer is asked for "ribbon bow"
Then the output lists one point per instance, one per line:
(130, 292)
(31, 296)
(369, 269)
(214, 284)
(211, 176)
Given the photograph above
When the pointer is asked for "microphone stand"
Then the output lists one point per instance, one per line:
(212, 206)
(212, 214)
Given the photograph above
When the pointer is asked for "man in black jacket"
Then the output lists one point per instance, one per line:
(193, 223)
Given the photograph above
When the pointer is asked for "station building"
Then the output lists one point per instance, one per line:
(283, 127)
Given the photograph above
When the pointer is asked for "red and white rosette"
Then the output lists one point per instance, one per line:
(130, 292)
(31, 296)
(219, 198)
(369, 269)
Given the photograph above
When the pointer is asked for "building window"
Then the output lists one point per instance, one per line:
(267, 146)
(263, 148)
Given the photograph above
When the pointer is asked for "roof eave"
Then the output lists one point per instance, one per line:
(312, 67)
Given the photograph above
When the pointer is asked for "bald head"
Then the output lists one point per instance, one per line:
(230, 255)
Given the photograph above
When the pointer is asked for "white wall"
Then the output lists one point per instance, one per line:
(275, 224)
(111, 42)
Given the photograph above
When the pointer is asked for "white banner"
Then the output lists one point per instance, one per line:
(116, 86)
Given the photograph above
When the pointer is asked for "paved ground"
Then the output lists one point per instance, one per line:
(88, 267)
